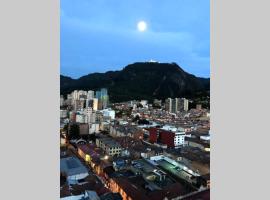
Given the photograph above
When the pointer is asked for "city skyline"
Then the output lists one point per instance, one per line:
(99, 38)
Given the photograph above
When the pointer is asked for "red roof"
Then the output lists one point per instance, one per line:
(130, 189)
(89, 149)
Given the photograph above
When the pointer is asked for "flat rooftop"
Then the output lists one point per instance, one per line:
(72, 166)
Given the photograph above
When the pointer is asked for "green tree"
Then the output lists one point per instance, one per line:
(74, 131)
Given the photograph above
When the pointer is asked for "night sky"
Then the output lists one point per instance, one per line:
(102, 35)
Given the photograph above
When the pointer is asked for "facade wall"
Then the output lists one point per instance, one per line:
(194, 144)
(84, 129)
(153, 135)
(111, 151)
(167, 137)
(63, 113)
(72, 116)
(179, 139)
(116, 188)
(81, 154)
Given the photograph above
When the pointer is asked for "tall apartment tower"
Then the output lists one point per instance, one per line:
(90, 94)
(175, 105)
(168, 104)
(185, 102)
(92, 103)
(75, 95)
(95, 104)
(62, 100)
(90, 115)
(103, 98)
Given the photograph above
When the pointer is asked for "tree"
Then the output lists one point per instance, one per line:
(74, 131)
(136, 118)
(143, 121)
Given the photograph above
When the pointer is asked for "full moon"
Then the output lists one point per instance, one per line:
(141, 26)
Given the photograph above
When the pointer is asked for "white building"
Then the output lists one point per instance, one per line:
(95, 104)
(168, 105)
(90, 115)
(185, 101)
(72, 168)
(169, 128)
(179, 139)
(69, 96)
(205, 137)
(94, 128)
(77, 93)
(110, 146)
(90, 94)
(63, 114)
(108, 113)
(80, 118)
(62, 100)
(180, 134)
(104, 126)
(144, 102)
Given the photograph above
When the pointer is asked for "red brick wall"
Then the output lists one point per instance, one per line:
(167, 137)
(153, 135)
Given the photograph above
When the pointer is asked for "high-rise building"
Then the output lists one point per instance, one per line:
(90, 115)
(62, 100)
(69, 97)
(89, 103)
(77, 94)
(80, 118)
(95, 104)
(83, 97)
(98, 94)
(185, 104)
(79, 104)
(90, 94)
(63, 113)
(176, 105)
(72, 116)
(109, 113)
(103, 98)
(168, 105)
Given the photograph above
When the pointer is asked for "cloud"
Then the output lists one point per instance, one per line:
(95, 37)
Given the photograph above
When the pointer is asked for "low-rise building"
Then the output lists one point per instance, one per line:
(63, 114)
(110, 146)
(73, 170)
(84, 129)
(94, 128)
(126, 130)
(194, 142)
(108, 113)
(170, 138)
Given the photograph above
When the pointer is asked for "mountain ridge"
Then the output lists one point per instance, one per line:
(140, 80)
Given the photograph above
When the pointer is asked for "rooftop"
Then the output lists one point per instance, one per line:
(131, 189)
(72, 166)
(91, 183)
(198, 141)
